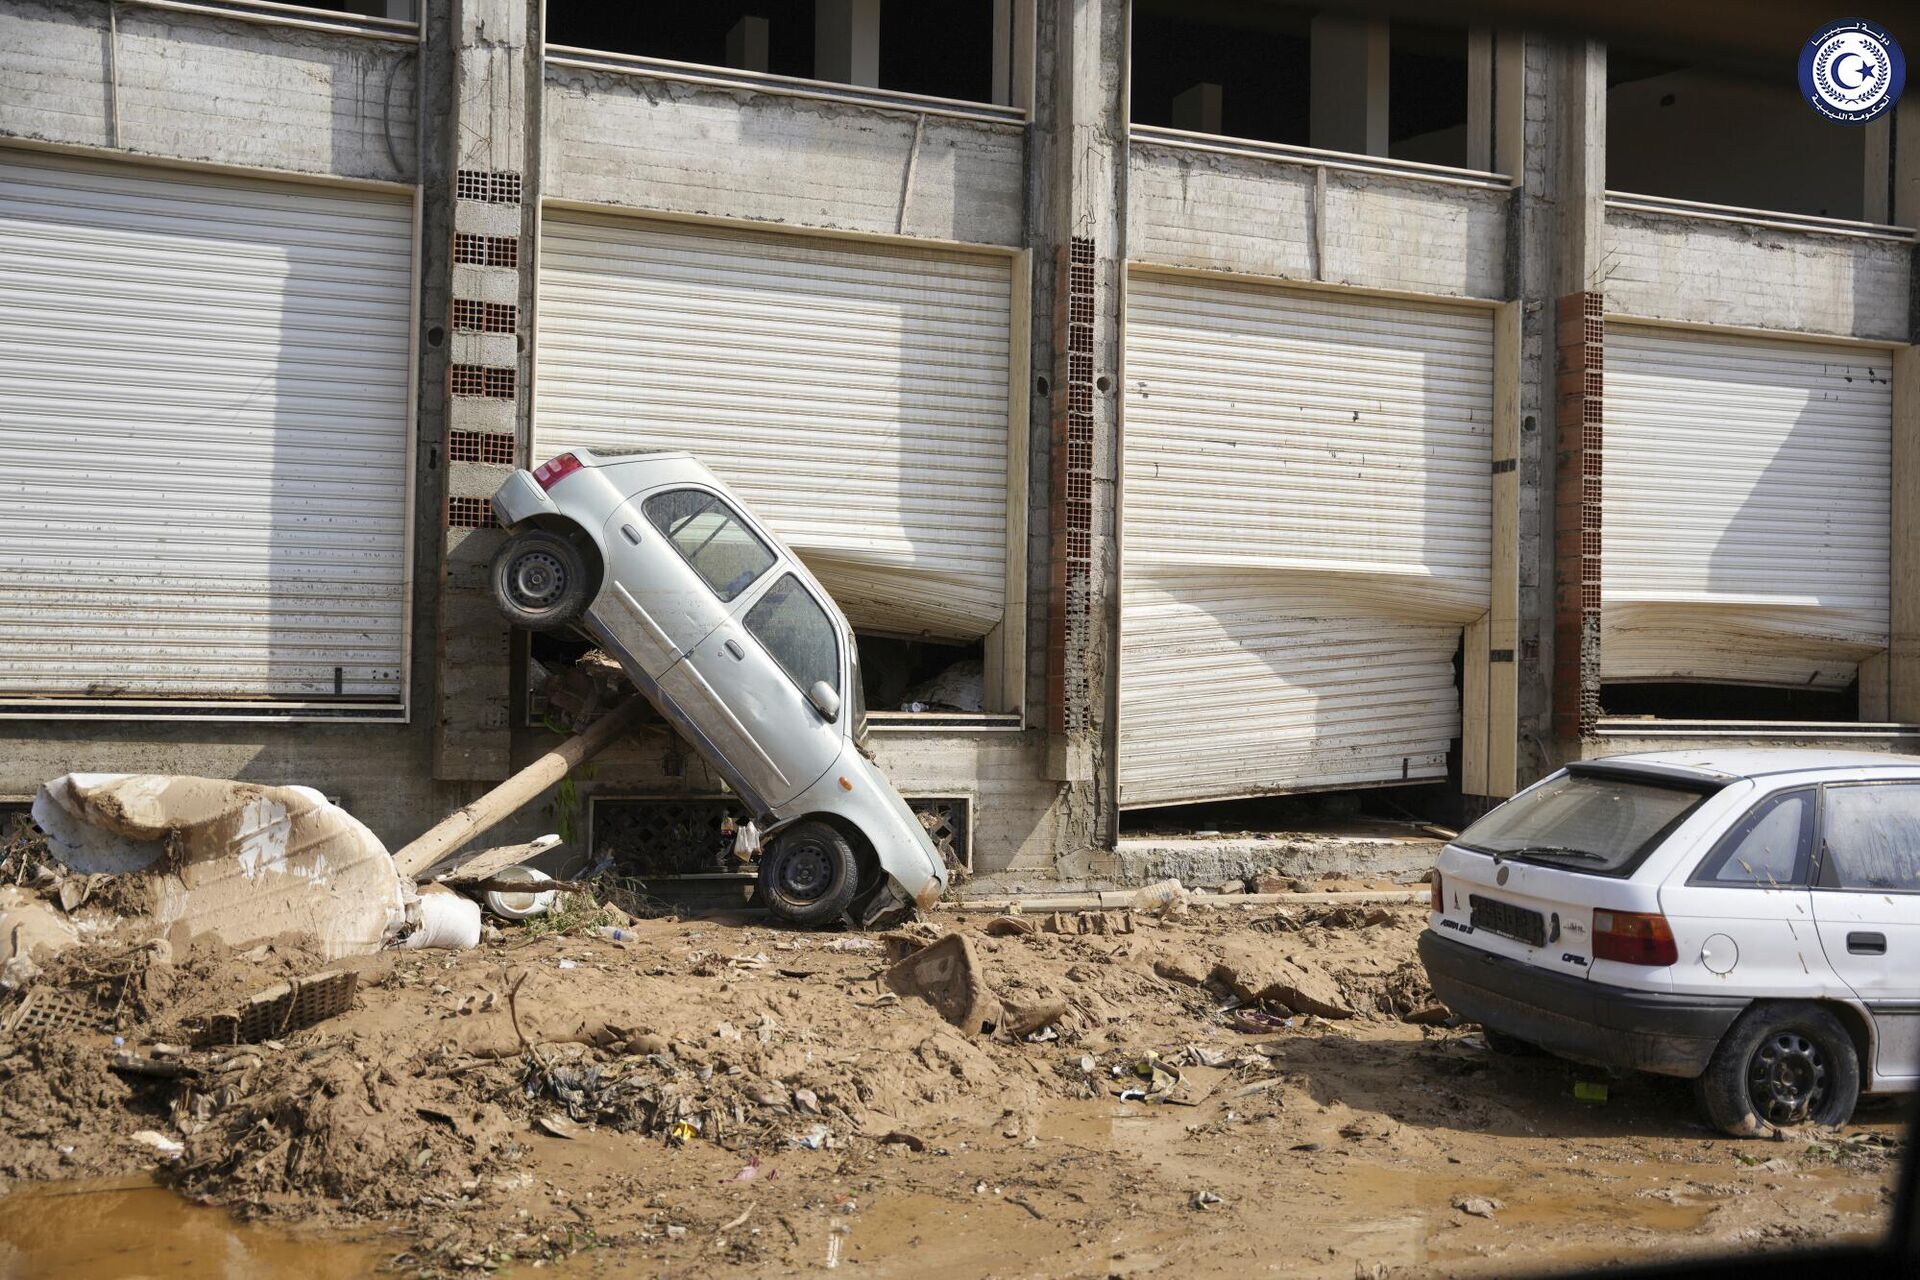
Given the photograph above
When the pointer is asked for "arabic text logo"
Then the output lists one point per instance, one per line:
(1852, 71)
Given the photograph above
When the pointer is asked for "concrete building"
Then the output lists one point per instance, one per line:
(1238, 399)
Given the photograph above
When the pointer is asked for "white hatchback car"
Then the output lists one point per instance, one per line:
(730, 638)
(1747, 919)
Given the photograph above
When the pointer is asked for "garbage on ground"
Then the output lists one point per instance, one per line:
(284, 1009)
(1165, 897)
(1477, 1206)
(1203, 1200)
(946, 974)
(509, 905)
(445, 920)
(1102, 923)
(160, 1144)
(238, 860)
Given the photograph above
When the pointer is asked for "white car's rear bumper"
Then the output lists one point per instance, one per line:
(520, 499)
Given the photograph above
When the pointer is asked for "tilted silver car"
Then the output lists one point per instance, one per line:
(726, 633)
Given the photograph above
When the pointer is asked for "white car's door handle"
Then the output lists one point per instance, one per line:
(733, 648)
(1867, 944)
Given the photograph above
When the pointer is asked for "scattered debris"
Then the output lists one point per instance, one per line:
(946, 974)
(280, 1010)
(1477, 1206)
(160, 1144)
(238, 860)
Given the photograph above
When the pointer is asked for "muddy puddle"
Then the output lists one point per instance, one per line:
(131, 1230)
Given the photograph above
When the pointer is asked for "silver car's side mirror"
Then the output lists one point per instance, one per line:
(824, 699)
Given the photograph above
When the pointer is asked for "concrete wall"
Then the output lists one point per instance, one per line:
(193, 87)
(296, 100)
(640, 142)
(1682, 268)
(1213, 212)
(1016, 815)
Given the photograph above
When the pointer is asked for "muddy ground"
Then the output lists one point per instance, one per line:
(720, 1098)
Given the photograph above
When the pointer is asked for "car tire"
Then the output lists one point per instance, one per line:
(1780, 1064)
(541, 581)
(809, 875)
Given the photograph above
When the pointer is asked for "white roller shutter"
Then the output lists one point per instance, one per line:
(1746, 508)
(204, 396)
(1307, 530)
(855, 395)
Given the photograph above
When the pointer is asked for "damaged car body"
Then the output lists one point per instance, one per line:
(1742, 918)
(738, 646)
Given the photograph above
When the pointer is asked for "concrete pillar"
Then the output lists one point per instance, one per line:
(1902, 668)
(1549, 134)
(1905, 202)
(1348, 84)
(400, 10)
(1077, 208)
(1198, 108)
(1013, 26)
(846, 42)
(747, 44)
(1480, 74)
(490, 134)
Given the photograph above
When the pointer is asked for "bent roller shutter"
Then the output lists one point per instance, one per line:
(205, 405)
(1307, 530)
(855, 395)
(1745, 508)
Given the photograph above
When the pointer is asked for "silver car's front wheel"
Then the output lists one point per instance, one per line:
(809, 875)
(542, 581)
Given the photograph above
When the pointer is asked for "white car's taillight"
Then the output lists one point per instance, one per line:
(1634, 937)
(551, 472)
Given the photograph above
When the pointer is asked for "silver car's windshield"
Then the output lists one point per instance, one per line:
(856, 691)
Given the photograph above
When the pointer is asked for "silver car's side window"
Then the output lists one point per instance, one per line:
(711, 538)
(1870, 837)
(793, 627)
(1770, 846)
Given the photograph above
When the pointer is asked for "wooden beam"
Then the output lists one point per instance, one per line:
(516, 792)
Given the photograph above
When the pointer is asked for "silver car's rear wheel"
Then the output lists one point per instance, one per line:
(542, 581)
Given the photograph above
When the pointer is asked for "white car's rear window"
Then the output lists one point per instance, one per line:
(1602, 823)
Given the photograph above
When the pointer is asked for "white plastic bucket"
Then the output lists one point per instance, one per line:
(510, 904)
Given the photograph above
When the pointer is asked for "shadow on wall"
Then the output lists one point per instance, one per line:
(1747, 501)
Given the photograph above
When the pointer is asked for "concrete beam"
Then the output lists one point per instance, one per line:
(1348, 84)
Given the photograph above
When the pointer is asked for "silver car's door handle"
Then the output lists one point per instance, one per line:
(733, 648)
(630, 534)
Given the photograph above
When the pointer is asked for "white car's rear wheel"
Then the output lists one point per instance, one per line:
(541, 581)
(1781, 1064)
